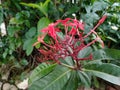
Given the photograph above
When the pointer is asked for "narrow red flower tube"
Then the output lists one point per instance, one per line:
(102, 19)
(73, 31)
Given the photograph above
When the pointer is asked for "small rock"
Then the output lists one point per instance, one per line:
(23, 85)
(6, 86)
(12, 87)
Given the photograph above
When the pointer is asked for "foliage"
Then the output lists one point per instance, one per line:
(25, 18)
(74, 78)
(66, 39)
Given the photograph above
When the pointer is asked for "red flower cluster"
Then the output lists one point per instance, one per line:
(66, 39)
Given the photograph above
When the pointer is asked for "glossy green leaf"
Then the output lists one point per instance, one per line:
(29, 50)
(109, 55)
(84, 79)
(85, 52)
(28, 45)
(40, 71)
(106, 71)
(105, 67)
(72, 83)
(106, 54)
(42, 23)
(105, 76)
(68, 60)
(55, 80)
(31, 32)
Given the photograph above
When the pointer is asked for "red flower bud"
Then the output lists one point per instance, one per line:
(102, 19)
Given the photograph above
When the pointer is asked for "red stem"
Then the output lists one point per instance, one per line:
(91, 30)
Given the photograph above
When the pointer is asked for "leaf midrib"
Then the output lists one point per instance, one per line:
(31, 78)
(103, 73)
(56, 79)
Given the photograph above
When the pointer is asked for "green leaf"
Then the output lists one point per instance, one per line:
(29, 50)
(31, 32)
(72, 83)
(84, 78)
(1, 16)
(12, 46)
(43, 7)
(5, 53)
(55, 80)
(90, 18)
(99, 5)
(24, 62)
(68, 60)
(39, 7)
(54, 11)
(37, 46)
(112, 39)
(40, 71)
(72, 10)
(42, 23)
(16, 3)
(85, 52)
(107, 54)
(96, 82)
(27, 23)
(105, 67)
(105, 76)
(30, 5)
(16, 21)
(88, 9)
(28, 45)
(106, 71)
(12, 30)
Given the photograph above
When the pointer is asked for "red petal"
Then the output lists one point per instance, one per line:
(72, 31)
(52, 32)
(45, 29)
(78, 24)
(64, 21)
(81, 26)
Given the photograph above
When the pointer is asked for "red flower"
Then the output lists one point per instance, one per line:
(71, 43)
(78, 24)
(73, 31)
(50, 30)
(40, 39)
